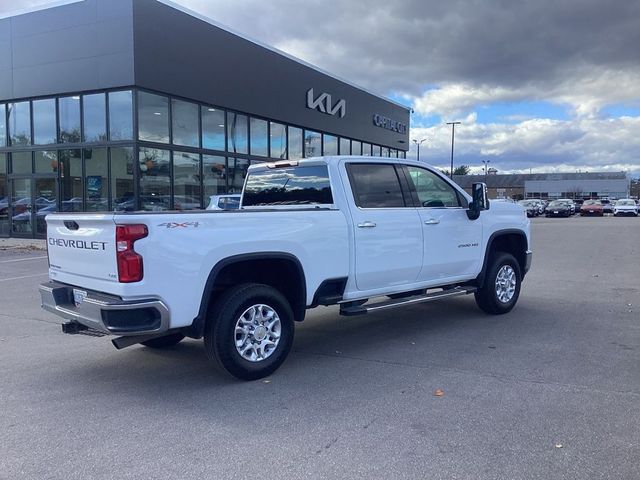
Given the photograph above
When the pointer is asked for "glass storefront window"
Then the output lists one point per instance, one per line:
(122, 193)
(385, 151)
(312, 144)
(329, 145)
(96, 182)
(71, 180)
(213, 128)
(237, 173)
(214, 174)
(155, 179)
(4, 197)
(344, 145)
(45, 202)
(237, 132)
(44, 121)
(21, 163)
(3, 125)
(69, 114)
(366, 149)
(153, 117)
(19, 123)
(376, 151)
(186, 181)
(95, 117)
(46, 161)
(295, 143)
(278, 140)
(259, 137)
(184, 121)
(356, 147)
(22, 206)
(121, 115)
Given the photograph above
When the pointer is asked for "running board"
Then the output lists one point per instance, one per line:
(350, 309)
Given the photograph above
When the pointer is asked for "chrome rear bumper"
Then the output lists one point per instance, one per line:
(104, 313)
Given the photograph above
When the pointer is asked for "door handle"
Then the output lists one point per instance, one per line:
(366, 225)
(432, 221)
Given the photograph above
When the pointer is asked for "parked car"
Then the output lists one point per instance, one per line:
(530, 207)
(224, 202)
(578, 203)
(625, 206)
(556, 208)
(607, 206)
(592, 208)
(570, 202)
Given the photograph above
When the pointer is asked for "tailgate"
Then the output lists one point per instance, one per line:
(82, 245)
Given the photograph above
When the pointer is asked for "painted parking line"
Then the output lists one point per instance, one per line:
(25, 276)
(22, 259)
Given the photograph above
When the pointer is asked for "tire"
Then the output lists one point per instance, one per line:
(487, 297)
(235, 308)
(164, 342)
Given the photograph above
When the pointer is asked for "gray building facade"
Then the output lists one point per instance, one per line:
(139, 104)
(551, 185)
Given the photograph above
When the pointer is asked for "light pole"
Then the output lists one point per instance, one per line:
(486, 165)
(418, 145)
(453, 134)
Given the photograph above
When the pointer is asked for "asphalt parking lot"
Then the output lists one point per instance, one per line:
(551, 390)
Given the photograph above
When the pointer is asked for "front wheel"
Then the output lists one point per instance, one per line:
(501, 285)
(250, 331)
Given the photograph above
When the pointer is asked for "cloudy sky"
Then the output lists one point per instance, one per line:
(544, 85)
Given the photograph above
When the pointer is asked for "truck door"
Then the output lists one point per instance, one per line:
(386, 227)
(452, 242)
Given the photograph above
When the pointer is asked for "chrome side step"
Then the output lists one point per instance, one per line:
(357, 308)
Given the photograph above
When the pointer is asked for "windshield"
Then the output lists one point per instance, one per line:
(592, 202)
(557, 204)
(626, 202)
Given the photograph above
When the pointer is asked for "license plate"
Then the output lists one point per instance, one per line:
(79, 296)
(590, 211)
(555, 211)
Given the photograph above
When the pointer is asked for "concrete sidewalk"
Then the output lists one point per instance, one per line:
(22, 244)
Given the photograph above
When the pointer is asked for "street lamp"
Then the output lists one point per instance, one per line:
(418, 145)
(453, 133)
(486, 165)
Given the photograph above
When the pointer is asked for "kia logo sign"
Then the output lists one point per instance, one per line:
(324, 104)
(389, 124)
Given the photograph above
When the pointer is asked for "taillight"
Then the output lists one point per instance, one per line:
(129, 262)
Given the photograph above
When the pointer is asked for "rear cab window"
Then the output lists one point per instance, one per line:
(296, 185)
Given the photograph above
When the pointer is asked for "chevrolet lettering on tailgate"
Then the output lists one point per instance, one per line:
(81, 244)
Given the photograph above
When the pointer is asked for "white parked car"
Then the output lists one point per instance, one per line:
(625, 206)
(224, 202)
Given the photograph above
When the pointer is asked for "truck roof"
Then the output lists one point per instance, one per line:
(335, 159)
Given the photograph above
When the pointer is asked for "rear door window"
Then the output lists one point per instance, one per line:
(304, 185)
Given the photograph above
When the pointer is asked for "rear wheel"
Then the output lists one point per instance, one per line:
(501, 286)
(164, 342)
(250, 331)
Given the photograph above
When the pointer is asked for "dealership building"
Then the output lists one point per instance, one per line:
(140, 104)
(613, 185)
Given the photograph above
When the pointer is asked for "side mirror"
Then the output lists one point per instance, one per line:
(480, 200)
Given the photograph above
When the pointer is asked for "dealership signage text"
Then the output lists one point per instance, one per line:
(386, 122)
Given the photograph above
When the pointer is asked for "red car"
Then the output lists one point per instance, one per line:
(591, 208)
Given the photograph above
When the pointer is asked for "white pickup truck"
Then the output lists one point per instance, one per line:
(366, 234)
